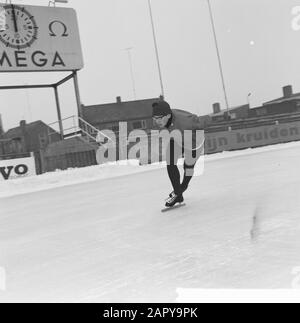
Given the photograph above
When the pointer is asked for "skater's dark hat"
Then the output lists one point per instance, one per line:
(161, 108)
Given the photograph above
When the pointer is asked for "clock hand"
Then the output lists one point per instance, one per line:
(14, 19)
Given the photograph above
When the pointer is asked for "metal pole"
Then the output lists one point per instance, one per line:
(28, 104)
(2, 148)
(61, 129)
(18, 87)
(248, 99)
(156, 50)
(76, 87)
(131, 71)
(218, 54)
(64, 80)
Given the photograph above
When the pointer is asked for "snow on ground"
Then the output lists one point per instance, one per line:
(94, 173)
(97, 234)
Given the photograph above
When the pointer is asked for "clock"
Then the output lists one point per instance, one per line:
(19, 30)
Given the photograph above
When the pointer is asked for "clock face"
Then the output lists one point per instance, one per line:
(19, 29)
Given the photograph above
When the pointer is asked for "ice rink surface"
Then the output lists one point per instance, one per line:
(104, 239)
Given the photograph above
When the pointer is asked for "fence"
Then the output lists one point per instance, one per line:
(68, 160)
(252, 137)
(237, 134)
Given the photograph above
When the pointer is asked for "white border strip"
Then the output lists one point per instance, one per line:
(238, 296)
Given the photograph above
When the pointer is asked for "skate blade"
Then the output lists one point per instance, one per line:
(167, 209)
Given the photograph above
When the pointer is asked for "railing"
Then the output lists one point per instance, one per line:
(90, 131)
(75, 126)
(69, 127)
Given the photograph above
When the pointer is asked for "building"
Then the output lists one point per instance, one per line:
(289, 103)
(25, 138)
(1, 126)
(137, 114)
(239, 112)
(288, 96)
(288, 107)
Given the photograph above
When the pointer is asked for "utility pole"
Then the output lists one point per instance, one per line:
(131, 70)
(219, 56)
(156, 50)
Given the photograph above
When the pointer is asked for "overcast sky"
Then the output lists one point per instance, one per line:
(259, 48)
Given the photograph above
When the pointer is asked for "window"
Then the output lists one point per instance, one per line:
(141, 124)
(261, 112)
(137, 125)
(144, 124)
(43, 140)
(115, 128)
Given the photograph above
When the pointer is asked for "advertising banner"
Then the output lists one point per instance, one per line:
(39, 38)
(252, 137)
(17, 168)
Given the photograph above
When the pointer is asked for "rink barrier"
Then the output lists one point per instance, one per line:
(239, 139)
(252, 137)
(50, 163)
(82, 155)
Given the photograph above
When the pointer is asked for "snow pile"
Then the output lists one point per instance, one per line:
(71, 176)
(94, 173)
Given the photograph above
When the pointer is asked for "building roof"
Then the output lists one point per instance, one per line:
(244, 106)
(17, 132)
(118, 111)
(293, 97)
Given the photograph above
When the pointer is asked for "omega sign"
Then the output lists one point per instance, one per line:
(36, 38)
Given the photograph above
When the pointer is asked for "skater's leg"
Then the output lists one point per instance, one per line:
(174, 176)
(188, 175)
(190, 162)
(173, 154)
